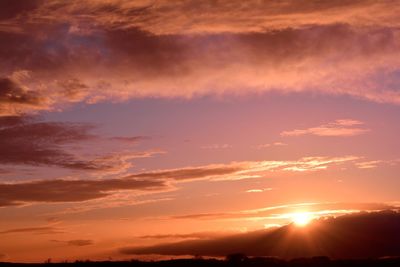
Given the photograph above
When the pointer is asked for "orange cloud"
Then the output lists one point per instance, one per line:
(16, 98)
(166, 17)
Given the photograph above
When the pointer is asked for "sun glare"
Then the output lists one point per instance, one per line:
(301, 219)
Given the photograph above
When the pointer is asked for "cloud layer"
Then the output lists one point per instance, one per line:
(146, 49)
(59, 190)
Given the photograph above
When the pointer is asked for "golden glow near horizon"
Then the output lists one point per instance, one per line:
(301, 218)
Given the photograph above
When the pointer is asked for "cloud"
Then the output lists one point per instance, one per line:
(59, 190)
(271, 145)
(129, 139)
(56, 191)
(217, 146)
(165, 17)
(198, 235)
(35, 230)
(244, 169)
(342, 128)
(28, 141)
(204, 172)
(94, 51)
(76, 242)
(24, 141)
(348, 236)
(15, 98)
(258, 190)
(368, 164)
(285, 211)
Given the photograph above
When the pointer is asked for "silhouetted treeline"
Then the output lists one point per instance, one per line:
(237, 260)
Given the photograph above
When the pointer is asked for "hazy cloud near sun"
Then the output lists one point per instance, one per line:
(284, 211)
(157, 49)
(333, 237)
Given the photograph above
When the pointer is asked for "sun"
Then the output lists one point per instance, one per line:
(301, 218)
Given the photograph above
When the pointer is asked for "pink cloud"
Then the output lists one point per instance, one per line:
(341, 128)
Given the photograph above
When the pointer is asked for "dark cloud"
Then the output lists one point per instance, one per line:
(191, 173)
(14, 8)
(129, 139)
(58, 190)
(82, 190)
(199, 235)
(42, 143)
(76, 242)
(53, 191)
(35, 230)
(362, 235)
(80, 242)
(11, 92)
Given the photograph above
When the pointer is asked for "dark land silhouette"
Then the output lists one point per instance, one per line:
(236, 260)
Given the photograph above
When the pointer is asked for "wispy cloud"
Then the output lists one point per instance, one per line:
(285, 211)
(129, 139)
(197, 235)
(262, 146)
(258, 190)
(29, 141)
(341, 128)
(217, 146)
(62, 190)
(56, 191)
(368, 164)
(75, 242)
(35, 230)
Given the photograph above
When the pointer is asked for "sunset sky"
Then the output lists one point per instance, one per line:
(128, 124)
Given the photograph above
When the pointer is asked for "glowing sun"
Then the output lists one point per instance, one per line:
(301, 219)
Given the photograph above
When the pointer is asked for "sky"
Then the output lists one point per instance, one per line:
(128, 125)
